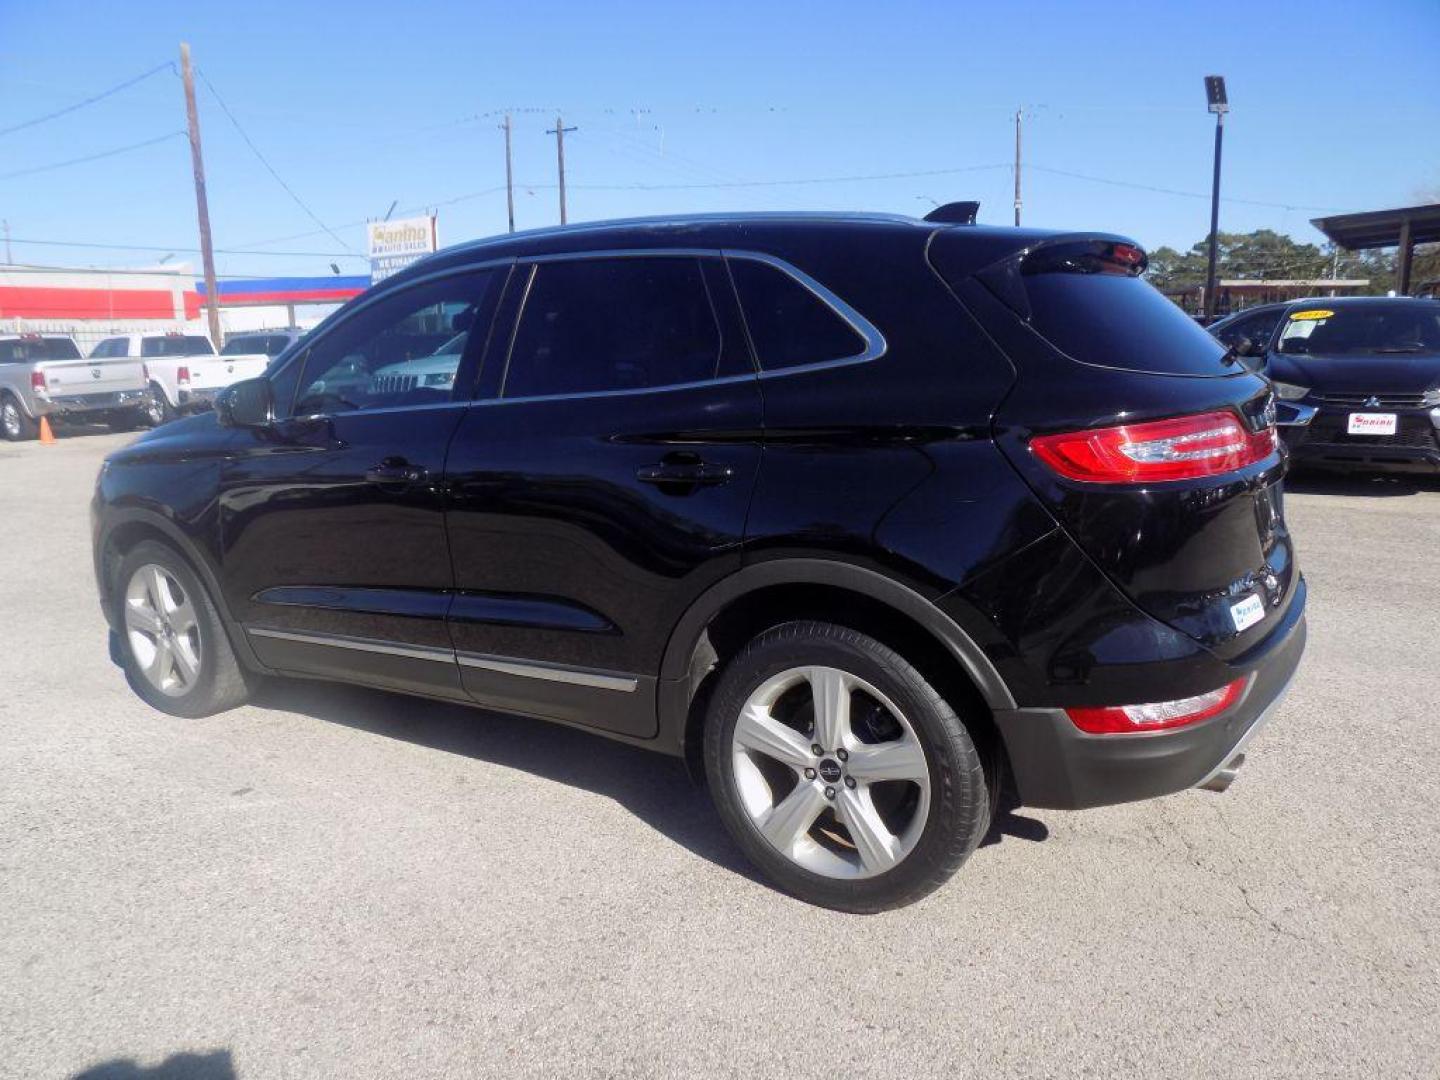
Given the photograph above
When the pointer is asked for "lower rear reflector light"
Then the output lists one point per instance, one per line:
(1157, 715)
(1184, 448)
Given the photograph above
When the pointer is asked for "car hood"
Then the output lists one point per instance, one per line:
(1372, 373)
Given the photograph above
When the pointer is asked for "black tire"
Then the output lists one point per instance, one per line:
(961, 796)
(159, 410)
(15, 426)
(221, 682)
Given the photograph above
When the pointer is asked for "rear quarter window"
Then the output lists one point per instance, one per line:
(1118, 321)
(790, 326)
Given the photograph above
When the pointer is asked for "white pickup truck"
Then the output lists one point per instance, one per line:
(183, 370)
(44, 375)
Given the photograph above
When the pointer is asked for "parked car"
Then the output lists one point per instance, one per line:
(855, 514)
(269, 342)
(44, 375)
(1358, 380)
(182, 370)
(1256, 325)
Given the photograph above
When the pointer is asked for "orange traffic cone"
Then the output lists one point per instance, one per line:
(47, 437)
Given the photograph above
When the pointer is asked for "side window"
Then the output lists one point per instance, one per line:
(614, 324)
(1257, 328)
(405, 349)
(789, 324)
(239, 346)
(101, 351)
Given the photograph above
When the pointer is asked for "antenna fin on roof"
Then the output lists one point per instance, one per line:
(955, 213)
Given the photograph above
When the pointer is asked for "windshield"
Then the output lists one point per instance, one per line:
(186, 345)
(1383, 329)
(24, 350)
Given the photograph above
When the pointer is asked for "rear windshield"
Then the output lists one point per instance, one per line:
(1380, 329)
(187, 345)
(268, 344)
(1118, 321)
(28, 349)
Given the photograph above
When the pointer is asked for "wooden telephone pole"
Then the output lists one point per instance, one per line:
(559, 131)
(202, 205)
(509, 175)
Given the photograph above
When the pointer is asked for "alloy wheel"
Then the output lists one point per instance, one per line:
(830, 772)
(10, 419)
(163, 630)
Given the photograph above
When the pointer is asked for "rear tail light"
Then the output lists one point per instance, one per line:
(37, 381)
(182, 376)
(1157, 715)
(1183, 448)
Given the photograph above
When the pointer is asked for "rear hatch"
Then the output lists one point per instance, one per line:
(70, 375)
(1152, 448)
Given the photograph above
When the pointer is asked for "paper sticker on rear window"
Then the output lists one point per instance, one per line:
(1300, 316)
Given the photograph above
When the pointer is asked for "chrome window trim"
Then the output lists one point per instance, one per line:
(600, 680)
(875, 344)
(550, 673)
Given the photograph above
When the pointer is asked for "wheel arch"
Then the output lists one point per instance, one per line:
(128, 527)
(763, 594)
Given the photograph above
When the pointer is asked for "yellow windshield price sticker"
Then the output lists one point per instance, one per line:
(1307, 316)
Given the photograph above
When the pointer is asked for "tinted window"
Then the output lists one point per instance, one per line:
(403, 350)
(789, 324)
(1387, 329)
(28, 349)
(1118, 321)
(177, 345)
(613, 324)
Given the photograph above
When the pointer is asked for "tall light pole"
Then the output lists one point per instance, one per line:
(1219, 105)
(1019, 113)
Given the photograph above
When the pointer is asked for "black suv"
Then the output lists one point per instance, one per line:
(857, 514)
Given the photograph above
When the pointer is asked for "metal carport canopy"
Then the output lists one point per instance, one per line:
(1402, 228)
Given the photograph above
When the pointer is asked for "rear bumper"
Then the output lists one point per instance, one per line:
(1058, 766)
(77, 404)
(196, 400)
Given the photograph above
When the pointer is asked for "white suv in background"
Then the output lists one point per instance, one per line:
(183, 370)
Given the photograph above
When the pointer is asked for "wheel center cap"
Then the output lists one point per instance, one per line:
(829, 770)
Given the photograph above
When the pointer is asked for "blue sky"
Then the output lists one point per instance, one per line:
(1336, 107)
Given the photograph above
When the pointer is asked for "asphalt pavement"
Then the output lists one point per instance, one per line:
(341, 883)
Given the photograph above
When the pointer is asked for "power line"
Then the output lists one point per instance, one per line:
(1174, 191)
(90, 157)
(88, 101)
(179, 248)
(268, 167)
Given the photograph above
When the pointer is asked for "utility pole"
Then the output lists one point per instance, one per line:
(8, 260)
(559, 131)
(510, 176)
(202, 205)
(1018, 114)
(1219, 104)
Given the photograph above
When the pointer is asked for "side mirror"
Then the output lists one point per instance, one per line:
(249, 403)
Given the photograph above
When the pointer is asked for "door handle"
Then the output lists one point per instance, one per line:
(396, 472)
(684, 474)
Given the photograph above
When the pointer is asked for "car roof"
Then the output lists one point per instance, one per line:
(1364, 301)
(770, 232)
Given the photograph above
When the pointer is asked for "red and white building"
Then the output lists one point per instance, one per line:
(94, 304)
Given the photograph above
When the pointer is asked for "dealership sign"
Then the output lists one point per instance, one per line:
(394, 245)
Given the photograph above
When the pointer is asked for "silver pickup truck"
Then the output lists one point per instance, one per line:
(45, 375)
